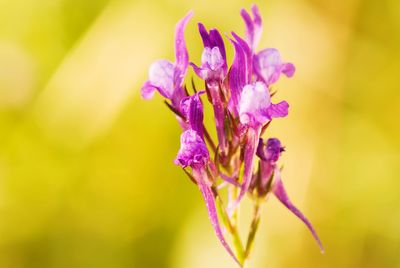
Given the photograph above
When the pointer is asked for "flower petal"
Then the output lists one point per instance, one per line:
(213, 39)
(217, 41)
(212, 58)
(181, 54)
(219, 116)
(280, 193)
(204, 35)
(212, 214)
(161, 77)
(193, 151)
(237, 76)
(268, 66)
(249, 25)
(147, 90)
(195, 115)
(288, 69)
(256, 17)
(278, 110)
(253, 136)
(248, 56)
(253, 26)
(254, 103)
(202, 73)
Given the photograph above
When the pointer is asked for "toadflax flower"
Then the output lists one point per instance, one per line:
(253, 26)
(194, 153)
(255, 110)
(242, 111)
(268, 66)
(269, 154)
(213, 60)
(267, 63)
(167, 77)
(213, 70)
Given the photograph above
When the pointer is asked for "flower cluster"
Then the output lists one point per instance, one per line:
(240, 95)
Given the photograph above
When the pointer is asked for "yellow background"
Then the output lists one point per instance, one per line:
(86, 167)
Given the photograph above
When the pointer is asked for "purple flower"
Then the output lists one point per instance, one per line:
(267, 63)
(192, 108)
(268, 66)
(213, 61)
(193, 151)
(270, 151)
(255, 107)
(213, 39)
(253, 26)
(240, 72)
(213, 70)
(269, 154)
(242, 106)
(212, 64)
(167, 77)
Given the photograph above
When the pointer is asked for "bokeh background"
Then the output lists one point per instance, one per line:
(86, 167)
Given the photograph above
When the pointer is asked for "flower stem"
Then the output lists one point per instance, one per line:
(232, 229)
(253, 230)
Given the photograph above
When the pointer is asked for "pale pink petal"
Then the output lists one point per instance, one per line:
(147, 90)
(161, 76)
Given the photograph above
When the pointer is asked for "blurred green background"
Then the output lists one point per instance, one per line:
(86, 171)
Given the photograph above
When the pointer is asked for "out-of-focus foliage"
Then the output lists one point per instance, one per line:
(86, 172)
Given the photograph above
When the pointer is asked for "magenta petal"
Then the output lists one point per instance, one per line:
(181, 54)
(195, 115)
(204, 35)
(213, 39)
(216, 40)
(253, 136)
(288, 69)
(192, 108)
(193, 151)
(219, 115)
(202, 73)
(248, 56)
(280, 193)
(249, 26)
(253, 26)
(212, 214)
(257, 21)
(237, 76)
(278, 110)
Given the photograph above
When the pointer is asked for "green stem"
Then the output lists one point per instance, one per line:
(233, 195)
(253, 230)
(237, 243)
